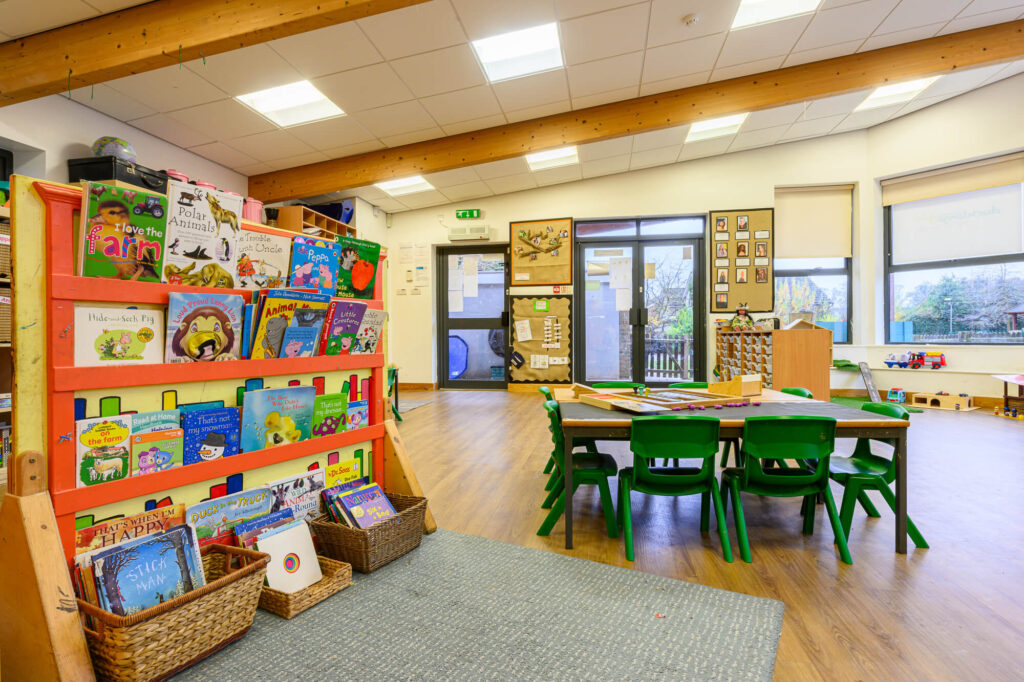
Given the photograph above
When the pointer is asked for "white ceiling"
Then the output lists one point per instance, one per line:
(410, 75)
(25, 17)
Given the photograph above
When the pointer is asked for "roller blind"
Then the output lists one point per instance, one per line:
(967, 177)
(814, 222)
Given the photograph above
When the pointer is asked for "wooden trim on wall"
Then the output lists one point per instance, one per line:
(410, 386)
(982, 401)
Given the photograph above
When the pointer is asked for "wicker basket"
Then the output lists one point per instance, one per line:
(367, 550)
(165, 639)
(337, 576)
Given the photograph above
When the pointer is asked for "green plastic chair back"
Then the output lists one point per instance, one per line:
(546, 392)
(689, 384)
(787, 437)
(619, 384)
(862, 453)
(675, 437)
(796, 390)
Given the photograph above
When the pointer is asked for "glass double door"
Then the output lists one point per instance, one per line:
(641, 311)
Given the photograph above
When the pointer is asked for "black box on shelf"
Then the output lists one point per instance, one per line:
(111, 168)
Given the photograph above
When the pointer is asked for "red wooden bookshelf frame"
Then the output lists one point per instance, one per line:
(63, 289)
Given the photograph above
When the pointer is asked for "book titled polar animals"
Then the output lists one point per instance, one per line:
(202, 236)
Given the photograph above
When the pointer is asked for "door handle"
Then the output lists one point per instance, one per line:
(643, 316)
(504, 318)
(634, 317)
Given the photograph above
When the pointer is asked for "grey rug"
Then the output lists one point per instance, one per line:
(462, 607)
(409, 405)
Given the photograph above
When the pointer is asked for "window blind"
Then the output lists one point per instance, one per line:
(814, 222)
(966, 177)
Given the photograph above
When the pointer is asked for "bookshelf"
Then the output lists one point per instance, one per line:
(783, 357)
(50, 393)
(302, 220)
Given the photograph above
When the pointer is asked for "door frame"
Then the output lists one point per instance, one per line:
(443, 325)
(637, 243)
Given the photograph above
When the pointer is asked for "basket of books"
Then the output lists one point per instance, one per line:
(337, 575)
(393, 527)
(159, 641)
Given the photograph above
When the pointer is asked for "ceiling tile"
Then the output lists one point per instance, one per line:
(961, 81)
(424, 199)
(817, 55)
(567, 9)
(983, 6)
(667, 25)
(108, 6)
(653, 157)
(223, 119)
(166, 128)
(364, 88)
(450, 178)
(532, 91)
(1009, 70)
(919, 103)
(712, 147)
(327, 50)
(453, 68)
(486, 18)
(168, 88)
(865, 119)
(680, 59)
(109, 101)
(832, 4)
(249, 69)
(512, 183)
(462, 105)
(845, 23)
(669, 84)
(757, 138)
(881, 40)
(619, 146)
(400, 139)
(395, 119)
(554, 176)
(979, 20)
(667, 137)
(748, 69)
(353, 149)
(470, 190)
(604, 98)
(25, 17)
(253, 169)
(297, 160)
(775, 39)
(831, 106)
(538, 112)
(501, 169)
(369, 193)
(769, 118)
(391, 205)
(474, 124)
(218, 152)
(605, 75)
(277, 144)
(606, 166)
(818, 126)
(415, 29)
(607, 34)
(334, 132)
(916, 13)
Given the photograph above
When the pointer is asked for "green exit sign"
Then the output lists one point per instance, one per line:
(467, 213)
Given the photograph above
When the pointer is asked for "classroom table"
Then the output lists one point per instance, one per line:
(580, 420)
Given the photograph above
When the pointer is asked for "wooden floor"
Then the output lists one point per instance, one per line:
(952, 612)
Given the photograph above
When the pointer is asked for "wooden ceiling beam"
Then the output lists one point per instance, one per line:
(158, 34)
(1002, 42)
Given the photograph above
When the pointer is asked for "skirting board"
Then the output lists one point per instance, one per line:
(408, 386)
(979, 401)
(532, 388)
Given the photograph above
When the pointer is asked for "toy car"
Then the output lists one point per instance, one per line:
(897, 360)
(920, 359)
(152, 206)
(896, 395)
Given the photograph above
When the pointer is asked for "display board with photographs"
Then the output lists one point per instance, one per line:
(541, 252)
(742, 249)
(541, 339)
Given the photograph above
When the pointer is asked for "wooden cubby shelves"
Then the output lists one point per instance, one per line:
(302, 220)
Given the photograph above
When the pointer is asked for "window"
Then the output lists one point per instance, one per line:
(955, 268)
(817, 289)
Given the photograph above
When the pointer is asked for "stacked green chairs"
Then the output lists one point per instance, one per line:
(683, 437)
(810, 439)
(588, 468)
(799, 392)
(864, 470)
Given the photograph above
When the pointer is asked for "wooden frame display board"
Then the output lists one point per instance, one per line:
(547, 353)
(541, 252)
(53, 393)
(742, 246)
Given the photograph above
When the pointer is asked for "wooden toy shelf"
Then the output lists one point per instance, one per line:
(302, 220)
(783, 357)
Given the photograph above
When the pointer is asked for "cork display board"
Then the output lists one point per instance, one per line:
(541, 328)
(541, 252)
(742, 246)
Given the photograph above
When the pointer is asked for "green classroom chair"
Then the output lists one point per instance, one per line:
(589, 443)
(785, 437)
(864, 470)
(587, 469)
(799, 392)
(689, 384)
(637, 388)
(731, 444)
(684, 437)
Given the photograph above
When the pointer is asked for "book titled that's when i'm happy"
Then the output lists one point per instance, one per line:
(107, 336)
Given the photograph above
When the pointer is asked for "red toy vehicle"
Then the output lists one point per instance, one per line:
(916, 360)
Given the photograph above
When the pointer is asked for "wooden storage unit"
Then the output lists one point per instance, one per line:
(783, 357)
(302, 220)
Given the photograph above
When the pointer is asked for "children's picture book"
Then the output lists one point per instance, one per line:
(148, 571)
(330, 497)
(300, 493)
(103, 448)
(107, 336)
(314, 264)
(293, 565)
(210, 434)
(263, 256)
(247, 527)
(368, 336)
(345, 471)
(302, 336)
(122, 233)
(202, 236)
(358, 415)
(147, 422)
(366, 506)
(156, 451)
(216, 518)
(276, 416)
(203, 327)
(358, 267)
(278, 307)
(329, 412)
(114, 532)
(343, 319)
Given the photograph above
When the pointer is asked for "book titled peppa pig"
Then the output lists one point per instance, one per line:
(314, 265)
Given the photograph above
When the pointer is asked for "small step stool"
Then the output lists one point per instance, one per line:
(943, 402)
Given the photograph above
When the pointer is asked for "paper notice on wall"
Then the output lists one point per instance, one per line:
(620, 271)
(493, 256)
(522, 277)
(416, 291)
(400, 292)
(623, 299)
(420, 277)
(421, 253)
(454, 301)
(469, 286)
(408, 274)
(550, 345)
(469, 265)
(564, 360)
(592, 285)
(405, 253)
(523, 332)
(538, 362)
(455, 280)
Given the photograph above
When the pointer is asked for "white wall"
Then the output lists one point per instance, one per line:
(64, 129)
(982, 123)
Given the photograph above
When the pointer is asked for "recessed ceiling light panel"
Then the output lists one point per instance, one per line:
(895, 93)
(715, 127)
(552, 158)
(762, 11)
(520, 53)
(411, 185)
(292, 104)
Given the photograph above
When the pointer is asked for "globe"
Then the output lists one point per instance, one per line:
(108, 145)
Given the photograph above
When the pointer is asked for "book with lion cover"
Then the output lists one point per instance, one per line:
(203, 228)
(203, 327)
(122, 233)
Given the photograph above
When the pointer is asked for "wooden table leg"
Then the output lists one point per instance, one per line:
(567, 434)
(901, 493)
